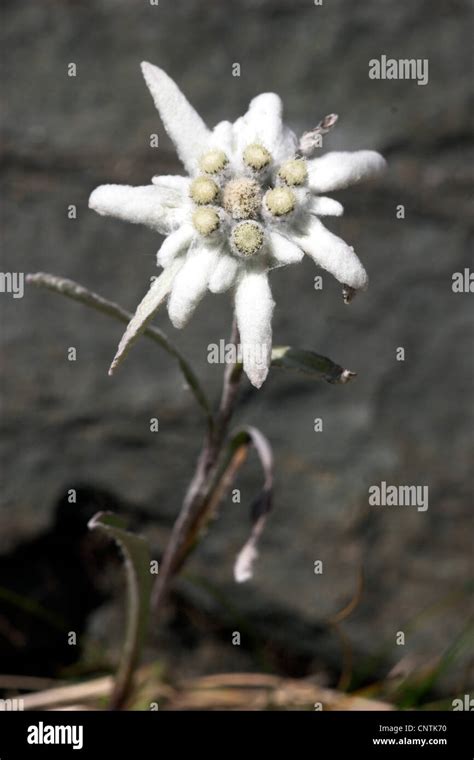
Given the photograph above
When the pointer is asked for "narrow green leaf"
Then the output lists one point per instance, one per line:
(320, 367)
(77, 292)
(139, 581)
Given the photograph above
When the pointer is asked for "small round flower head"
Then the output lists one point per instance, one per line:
(247, 238)
(213, 162)
(203, 190)
(280, 201)
(242, 198)
(294, 172)
(256, 157)
(206, 220)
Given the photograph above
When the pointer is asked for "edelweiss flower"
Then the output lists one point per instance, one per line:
(251, 203)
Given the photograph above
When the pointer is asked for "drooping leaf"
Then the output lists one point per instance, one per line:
(77, 292)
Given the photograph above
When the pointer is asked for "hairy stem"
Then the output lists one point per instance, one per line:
(196, 500)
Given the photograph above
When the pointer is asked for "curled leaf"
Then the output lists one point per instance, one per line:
(312, 139)
(243, 567)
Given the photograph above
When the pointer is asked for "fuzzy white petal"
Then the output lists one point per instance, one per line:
(175, 244)
(145, 311)
(224, 274)
(333, 254)
(223, 137)
(284, 250)
(323, 206)
(173, 182)
(253, 308)
(191, 283)
(263, 124)
(183, 124)
(340, 169)
(157, 207)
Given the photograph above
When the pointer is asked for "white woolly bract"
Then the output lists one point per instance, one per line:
(283, 250)
(173, 182)
(224, 274)
(263, 124)
(183, 124)
(191, 283)
(333, 254)
(254, 308)
(175, 244)
(223, 137)
(323, 206)
(156, 207)
(145, 312)
(338, 169)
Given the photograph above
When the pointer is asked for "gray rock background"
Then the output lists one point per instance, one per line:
(403, 422)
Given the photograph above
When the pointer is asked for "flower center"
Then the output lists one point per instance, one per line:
(213, 162)
(293, 172)
(240, 206)
(242, 198)
(256, 156)
(247, 238)
(203, 190)
(206, 220)
(280, 201)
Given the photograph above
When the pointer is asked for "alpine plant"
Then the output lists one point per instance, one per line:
(251, 201)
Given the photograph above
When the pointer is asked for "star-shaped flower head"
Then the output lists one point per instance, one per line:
(251, 202)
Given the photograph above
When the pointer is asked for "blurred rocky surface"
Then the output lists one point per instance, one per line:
(403, 422)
